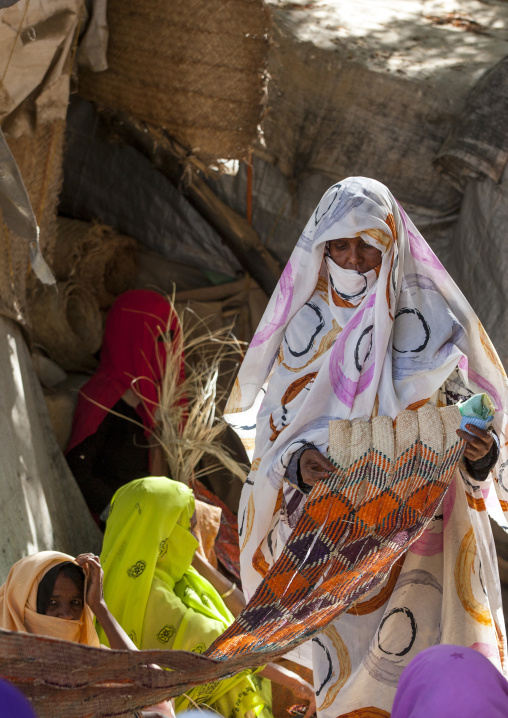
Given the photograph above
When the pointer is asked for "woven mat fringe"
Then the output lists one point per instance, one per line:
(69, 680)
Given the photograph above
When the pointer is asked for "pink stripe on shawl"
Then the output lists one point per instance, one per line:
(430, 544)
(480, 381)
(340, 345)
(419, 247)
(422, 252)
(486, 650)
(282, 307)
(346, 389)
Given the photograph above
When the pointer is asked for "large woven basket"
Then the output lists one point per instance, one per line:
(194, 67)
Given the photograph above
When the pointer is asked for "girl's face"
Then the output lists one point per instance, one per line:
(354, 253)
(66, 600)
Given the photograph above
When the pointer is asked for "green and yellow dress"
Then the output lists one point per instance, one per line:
(159, 599)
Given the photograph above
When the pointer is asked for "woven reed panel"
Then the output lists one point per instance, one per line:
(68, 680)
(14, 263)
(194, 67)
(40, 160)
(39, 157)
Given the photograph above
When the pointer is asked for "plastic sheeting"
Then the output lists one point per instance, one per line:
(481, 262)
(477, 146)
(41, 505)
(117, 185)
(474, 158)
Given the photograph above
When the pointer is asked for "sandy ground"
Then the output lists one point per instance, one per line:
(444, 41)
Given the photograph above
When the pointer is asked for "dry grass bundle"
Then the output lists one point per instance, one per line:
(190, 422)
(96, 255)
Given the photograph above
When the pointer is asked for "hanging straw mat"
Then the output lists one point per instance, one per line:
(206, 82)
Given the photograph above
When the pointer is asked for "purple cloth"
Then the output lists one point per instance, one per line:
(13, 703)
(451, 682)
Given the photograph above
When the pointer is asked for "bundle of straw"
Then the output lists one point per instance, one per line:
(96, 255)
(189, 418)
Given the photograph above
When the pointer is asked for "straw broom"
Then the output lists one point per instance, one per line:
(189, 421)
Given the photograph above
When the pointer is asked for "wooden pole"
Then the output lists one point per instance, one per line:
(170, 160)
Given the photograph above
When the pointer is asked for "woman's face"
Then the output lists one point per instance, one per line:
(66, 600)
(354, 253)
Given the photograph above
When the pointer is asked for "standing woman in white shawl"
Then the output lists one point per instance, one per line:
(366, 321)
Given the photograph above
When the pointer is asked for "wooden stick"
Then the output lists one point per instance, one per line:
(174, 163)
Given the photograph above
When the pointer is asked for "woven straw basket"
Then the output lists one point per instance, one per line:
(67, 324)
(193, 67)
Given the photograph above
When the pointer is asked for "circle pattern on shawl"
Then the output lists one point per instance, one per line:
(328, 657)
(326, 204)
(316, 323)
(350, 297)
(411, 325)
(397, 632)
(500, 477)
(366, 340)
(394, 273)
(421, 592)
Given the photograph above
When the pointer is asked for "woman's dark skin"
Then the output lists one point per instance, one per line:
(355, 253)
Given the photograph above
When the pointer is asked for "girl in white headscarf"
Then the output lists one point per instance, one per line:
(366, 321)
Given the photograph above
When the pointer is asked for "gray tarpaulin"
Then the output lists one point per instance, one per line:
(481, 261)
(474, 158)
(42, 507)
(117, 185)
(477, 146)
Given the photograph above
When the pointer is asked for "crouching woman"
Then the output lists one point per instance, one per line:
(51, 594)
